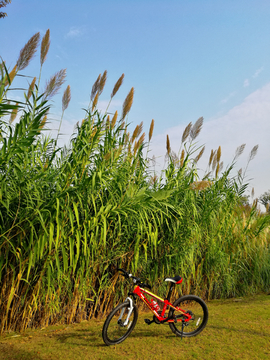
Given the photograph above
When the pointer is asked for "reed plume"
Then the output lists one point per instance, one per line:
(168, 145)
(117, 85)
(27, 52)
(214, 162)
(151, 129)
(11, 76)
(217, 170)
(200, 185)
(137, 131)
(182, 158)
(54, 84)
(211, 157)
(95, 87)
(43, 122)
(239, 151)
(186, 132)
(218, 154)
(13, 114)
(45, 45)
(66, 98)
(196, 128)
(199, 155)
(102, 82)
(31, 88)
(95, 101)
(128, 103)
(114, 119)
(253, 152)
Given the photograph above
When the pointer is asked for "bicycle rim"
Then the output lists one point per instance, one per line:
(197, 308)
(116, 329)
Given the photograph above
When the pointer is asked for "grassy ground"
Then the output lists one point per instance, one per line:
(237, 329)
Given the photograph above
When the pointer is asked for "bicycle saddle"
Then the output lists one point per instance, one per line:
(177, 279)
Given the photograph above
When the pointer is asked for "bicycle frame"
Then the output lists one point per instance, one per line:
(139, 291)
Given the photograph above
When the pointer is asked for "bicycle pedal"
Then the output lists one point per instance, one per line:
(147, 321)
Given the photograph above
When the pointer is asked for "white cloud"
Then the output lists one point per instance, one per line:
(246, 83)
(232, 94)
(257, 72)
(75, 32)
(248, 122)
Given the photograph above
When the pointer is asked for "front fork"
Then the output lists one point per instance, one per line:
(131, 307)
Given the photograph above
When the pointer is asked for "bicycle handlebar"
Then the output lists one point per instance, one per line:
(136, 280)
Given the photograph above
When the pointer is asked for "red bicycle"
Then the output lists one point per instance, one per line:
(186, 317)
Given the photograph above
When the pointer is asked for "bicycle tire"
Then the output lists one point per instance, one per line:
(199, 311)
(114, 332)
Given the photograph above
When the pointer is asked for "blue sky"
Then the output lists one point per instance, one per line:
(185, 59)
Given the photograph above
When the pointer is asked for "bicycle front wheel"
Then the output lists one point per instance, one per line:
(194, 306)
(118, 326)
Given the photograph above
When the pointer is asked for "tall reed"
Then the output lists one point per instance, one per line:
(70, 216)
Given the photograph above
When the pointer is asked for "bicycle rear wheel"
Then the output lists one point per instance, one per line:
(197, 308)
(116, 329)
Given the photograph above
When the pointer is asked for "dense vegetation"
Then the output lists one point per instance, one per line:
(70, 216)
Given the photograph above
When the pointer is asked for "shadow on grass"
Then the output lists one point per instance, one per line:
(9, 352)
(240, 331)
(83, 337)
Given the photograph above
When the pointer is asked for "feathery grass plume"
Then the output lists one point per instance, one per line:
(137, 131)
(252, 192)
(220, 166)
(107, 156)
(117, 85)
(139, 143)
(253, 152)
(27, 52)
(13, 114)
(168, 145)
(114, 119)
(186, 132)
(108, 121)
(141, 139)
(54, 84)
(240, 172)
(214, 162)
(197, 158)
(11, 76)
(45, 45)
(200, 185)
(182, 158)
(102, 82)
(196, 128)
(128, 103)
(153, 180)
(211, 157)
(218, 154)
(239, 151)
(95, 87)
(31, 88)
(95, 101)
(151, 129)
(255, 203)
(43, 122)
(217, 169)
(66, 98)
(175, 159)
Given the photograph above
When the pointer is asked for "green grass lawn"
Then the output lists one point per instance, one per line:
(237, 329)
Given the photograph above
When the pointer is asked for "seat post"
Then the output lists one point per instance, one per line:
(170, 291)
